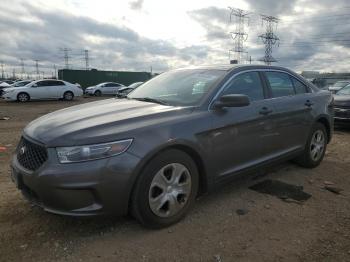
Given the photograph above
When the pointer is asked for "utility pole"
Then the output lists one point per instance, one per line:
(239, 36)
(66, 51)
(86, 57)
(2, 70)
(22, 68)
(37, 68)
(269, 38)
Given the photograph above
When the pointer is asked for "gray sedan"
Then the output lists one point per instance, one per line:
(179, 135)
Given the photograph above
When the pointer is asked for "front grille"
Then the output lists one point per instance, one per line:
(30, 155)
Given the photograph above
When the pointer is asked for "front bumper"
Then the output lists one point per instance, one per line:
(99, 187)
(341, 114)
(89, 92)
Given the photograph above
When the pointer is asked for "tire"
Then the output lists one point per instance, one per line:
(68, 96)
(98, 93)
(23, 97)
(315, 147)
(172, 170)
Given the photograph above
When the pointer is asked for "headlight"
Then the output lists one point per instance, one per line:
(92, 152)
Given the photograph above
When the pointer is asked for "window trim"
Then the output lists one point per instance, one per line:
(265, 84)
(264, 92)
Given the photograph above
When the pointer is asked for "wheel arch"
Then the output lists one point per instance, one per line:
(23, 92)
(186, 148)
(325, 121)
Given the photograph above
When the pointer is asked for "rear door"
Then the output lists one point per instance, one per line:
(114, 88)
(107, 89)
(292, 102)
(240, 134)
(56, 88)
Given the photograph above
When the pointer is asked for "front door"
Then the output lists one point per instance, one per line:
(240, 134)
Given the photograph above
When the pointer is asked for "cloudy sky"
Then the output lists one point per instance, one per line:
(140, 34)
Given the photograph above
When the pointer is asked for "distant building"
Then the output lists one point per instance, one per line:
(92, 77)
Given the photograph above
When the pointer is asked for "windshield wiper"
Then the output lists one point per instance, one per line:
(151, 100)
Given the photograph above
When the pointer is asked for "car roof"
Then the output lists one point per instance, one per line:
(230, 67)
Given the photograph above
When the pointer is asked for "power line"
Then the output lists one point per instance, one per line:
(239, 36)
(269, 38)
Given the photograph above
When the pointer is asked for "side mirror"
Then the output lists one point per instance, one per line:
(35, 85)
(232, 101)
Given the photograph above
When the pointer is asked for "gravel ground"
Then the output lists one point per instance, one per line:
(268, 229)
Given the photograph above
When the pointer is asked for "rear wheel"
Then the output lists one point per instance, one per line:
(166, 189)
(315, 147)
(98, 93)
(68, 96)
(23, 97)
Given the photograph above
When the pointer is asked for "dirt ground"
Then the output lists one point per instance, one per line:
(269, 229)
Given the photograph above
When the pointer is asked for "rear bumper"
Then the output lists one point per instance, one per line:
(100, 187)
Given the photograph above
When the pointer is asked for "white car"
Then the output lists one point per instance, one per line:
(108, 88)
(42, 89)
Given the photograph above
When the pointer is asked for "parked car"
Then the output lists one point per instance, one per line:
(180, 134)
(123, 91)
(3, 85)
(109, 88)
(342, 104)
(21, 83)
(42, 89)
(338, 85)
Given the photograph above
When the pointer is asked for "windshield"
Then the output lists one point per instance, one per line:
(344, 91)
(133, 85)
(340, 84)
(179, 87)
(21, 83)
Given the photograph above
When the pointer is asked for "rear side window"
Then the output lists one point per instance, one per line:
(299, 87)
(57, 83)
(280, 84)
(246, 84)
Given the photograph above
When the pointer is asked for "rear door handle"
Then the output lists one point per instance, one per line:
(308, 103)
(265, 111)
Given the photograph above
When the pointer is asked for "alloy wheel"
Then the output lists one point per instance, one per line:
(23, 97)
(170, 190)
(317, 145)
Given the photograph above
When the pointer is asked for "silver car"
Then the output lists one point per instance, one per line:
(108, 88)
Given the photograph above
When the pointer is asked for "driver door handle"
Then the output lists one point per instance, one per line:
(265, 111)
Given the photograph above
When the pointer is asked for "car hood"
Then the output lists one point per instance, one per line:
(341, 100)
(99, 122)
(335, 87)
(90, 87)
(9, 89)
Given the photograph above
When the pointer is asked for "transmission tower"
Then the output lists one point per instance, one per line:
(269, 38)
(66, 56)
(22, 67)
(14, 73)
(2, 70)
(239, 36)
(37, 68)
(86, 57)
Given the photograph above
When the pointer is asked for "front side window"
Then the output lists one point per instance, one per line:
(179, 87)
(246, 84)
(280, 84)
(299, 87)
(344, 91)
(42, 83)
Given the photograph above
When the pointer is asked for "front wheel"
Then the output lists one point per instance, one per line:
(23, 97)
(98, 93)
(315, 147)
(68, 96)
(166, 189)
